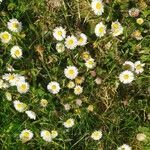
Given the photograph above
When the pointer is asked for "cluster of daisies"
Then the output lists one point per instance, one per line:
(15, 27)
(100, 29)
(69, 42)
(130, 68)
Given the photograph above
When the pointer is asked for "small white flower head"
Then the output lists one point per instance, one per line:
(46, 135)
(78, 102)
(8, 96)
(124, 147)
(100, 30)
(67, 107)
(54, 134)
(71, 85)
(140, 137)
(59, 33)
(3, 84)
(97, 7)
(90, 63)
(78, 90)
(5, 37)
(19, 106)
(128, 65)
(43, 102)
(90, 108)
(134, 12)
(31, 114)
(71, 42)
(126, 77)
(14, 25)
(71, 72)
(98, 81)
(139, 67)
(69, 123)
(60, 47)
(23, 87)
(53, 87)
(96, 135)
(116, 28)
(26, 135)
(16, 52)
(10, 78)
(82, 40)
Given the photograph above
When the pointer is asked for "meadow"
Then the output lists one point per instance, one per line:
(74, 75)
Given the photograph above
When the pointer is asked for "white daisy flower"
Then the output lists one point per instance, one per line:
(53, 87)
(126, 77)
(54, 134)
(97, 7)
(23, 87)
(78, 90)
(90, 63)
(16, 52)
(116, 28)
(71, 42)
(8, 96)
(46, 135)
(82, 40)
(10, 77)
(19, 106)
(59, 33)
(71, 85)
(139, 67)
(71, 72)
(100, 29)
(67, 107)
(60, 47)
(128, 65)
(69, 123)
(124, 147)
(96, 135)
(26, 135)
(14, 25)
(31, 114)
(5, 37)
(18, 79)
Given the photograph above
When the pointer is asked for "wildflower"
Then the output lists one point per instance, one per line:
(71, 72)
(78, 102)
(59, 33)
(26, 135)
(90, 108)
(97, 7)
(137, 35)
(3, 84)
(10, 68)
(78, 90)
(31, 114)
(82, 40)
(19, 106)
(124, 147)
(98, 80)
(100, 30)
(54, 134)
(8, 96)
(116, 28)
(86, 56)
(128, 65)
(139, 67)
(67, 107)
(139, 21)
(43, 102)
(46, 135)
(71, 42)
(16, 52)
(69, 123)
(60, 47)
(126, 77)
(96, 135)
(140, 137)
(53, 87)
(5, 37)
(79, 80)
(90, 63)
(134, 12)
(23, 87)
(70, 85)
(14, 25)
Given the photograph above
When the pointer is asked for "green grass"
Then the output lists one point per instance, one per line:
(120, 111)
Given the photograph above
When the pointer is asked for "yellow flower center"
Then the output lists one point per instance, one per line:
(26, 134)
(138, 67)
(70, 42)
(54, 87)
(71, 72)
(15, 25)
(23, 87)
(81, 40)
(5, 36)
(47, 133)
(11, 77)
(98, 5)
(68, 122)
(116, 25)
(126, 76)
(101, 29)
(17, 52)
(60, 33)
